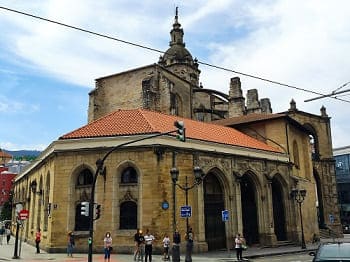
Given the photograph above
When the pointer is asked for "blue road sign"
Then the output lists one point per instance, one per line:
(225, 215)
(186, 211)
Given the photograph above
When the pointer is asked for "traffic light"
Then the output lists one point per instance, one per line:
(180, 125)
(84, 209)
(97, 211)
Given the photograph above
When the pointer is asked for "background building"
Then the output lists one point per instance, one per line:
(342, 163)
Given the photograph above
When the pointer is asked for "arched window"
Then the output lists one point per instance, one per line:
(175, 105)
(296, 154)
(128, 215)
(81, 221)
(129, 176)
(201, 113)
(85, 178)
(83, 188)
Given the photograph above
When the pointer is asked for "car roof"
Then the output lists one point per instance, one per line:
(336, 250)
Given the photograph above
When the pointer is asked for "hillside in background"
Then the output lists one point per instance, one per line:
(23, 154)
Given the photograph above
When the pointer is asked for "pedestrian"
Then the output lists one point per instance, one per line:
(2, 234)
(70, 244)
(107, 243)
(239, 242)
(8, 234)
(139, 245)
(189, 245)
(166, 244)
(37, 240)
(176, 246)
(149, 238)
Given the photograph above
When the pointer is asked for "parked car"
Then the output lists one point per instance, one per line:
(346, 229)
(334, 252)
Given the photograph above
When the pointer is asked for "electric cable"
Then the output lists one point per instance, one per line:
(162, 52)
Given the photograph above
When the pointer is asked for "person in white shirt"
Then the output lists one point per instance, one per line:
(107, 244)
(166, 244)
(239, 241)
(148, 245)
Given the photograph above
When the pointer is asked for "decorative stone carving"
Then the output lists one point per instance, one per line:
(128, 197)
(84, 196)
(221, 163)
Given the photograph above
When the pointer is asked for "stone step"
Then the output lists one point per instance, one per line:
(285, 243)
(328, 233)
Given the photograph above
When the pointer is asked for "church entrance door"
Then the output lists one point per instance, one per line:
(213, 205)
(278, 210)
(249, 210)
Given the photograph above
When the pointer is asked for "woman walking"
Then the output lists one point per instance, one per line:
(107, 243)
(70, 244)
(37, 240)
(239, 241)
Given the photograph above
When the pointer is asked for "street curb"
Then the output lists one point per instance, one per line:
(280, 253)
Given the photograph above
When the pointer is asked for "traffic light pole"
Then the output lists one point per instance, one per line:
(99, 165)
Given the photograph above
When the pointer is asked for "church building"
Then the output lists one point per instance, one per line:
(252, 164)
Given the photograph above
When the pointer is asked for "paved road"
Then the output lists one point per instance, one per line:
(285, 258)
(255, 254)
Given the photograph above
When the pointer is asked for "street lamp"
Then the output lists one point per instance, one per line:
(102, 171)
(198, 177)
(299, 195)
(19, 207)
(33, 187)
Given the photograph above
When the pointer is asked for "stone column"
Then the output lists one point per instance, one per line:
(269, 230)
(237, 191)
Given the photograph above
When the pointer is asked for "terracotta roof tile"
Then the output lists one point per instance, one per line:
(139, 121)
(4, 154)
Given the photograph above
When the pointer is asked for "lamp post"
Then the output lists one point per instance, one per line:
(19, 207)
(299, 195)
(198, 176)
(100, 169)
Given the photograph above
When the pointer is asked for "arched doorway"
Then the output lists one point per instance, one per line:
(213, 205)
(320, 210)
(279, 217)
(249, 210)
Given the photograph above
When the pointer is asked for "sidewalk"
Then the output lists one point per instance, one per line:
(28, 254)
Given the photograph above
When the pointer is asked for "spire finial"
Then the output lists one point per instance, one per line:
(176, 14)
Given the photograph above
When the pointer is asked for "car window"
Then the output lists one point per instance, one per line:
(334, 251)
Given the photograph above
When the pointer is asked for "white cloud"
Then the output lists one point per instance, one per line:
(301, 43)
(11, 146)
(9, 106)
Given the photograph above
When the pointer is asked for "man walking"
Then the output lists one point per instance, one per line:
(148, 245)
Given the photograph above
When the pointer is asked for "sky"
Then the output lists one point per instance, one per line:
(47, 71)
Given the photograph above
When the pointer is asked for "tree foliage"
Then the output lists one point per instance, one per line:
(6, 211)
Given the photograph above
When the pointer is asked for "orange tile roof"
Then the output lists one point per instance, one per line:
(4, 154)
(140, 121)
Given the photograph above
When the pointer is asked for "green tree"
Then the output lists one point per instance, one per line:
(6, 211)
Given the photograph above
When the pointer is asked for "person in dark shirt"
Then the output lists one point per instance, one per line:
(139, 245)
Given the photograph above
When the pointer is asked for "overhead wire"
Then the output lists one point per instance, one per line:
(162, 52)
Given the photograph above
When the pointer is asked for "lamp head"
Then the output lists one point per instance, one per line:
(198, 174)
(33, 186)
(174, 173)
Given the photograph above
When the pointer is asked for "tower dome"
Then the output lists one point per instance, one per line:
(177, 53)
(177, 58)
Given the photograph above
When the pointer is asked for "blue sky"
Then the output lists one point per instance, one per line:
(47, 71)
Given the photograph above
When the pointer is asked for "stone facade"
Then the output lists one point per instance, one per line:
(254, 186)
(58, 188)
